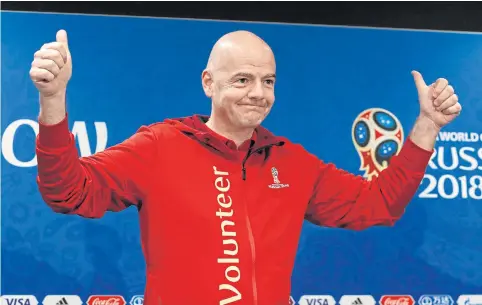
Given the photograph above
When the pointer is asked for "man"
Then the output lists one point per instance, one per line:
(222, 200)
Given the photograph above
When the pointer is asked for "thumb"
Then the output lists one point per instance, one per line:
(419, 82)
(62, 37)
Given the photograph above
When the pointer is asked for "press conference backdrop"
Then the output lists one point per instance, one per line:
(129, 72)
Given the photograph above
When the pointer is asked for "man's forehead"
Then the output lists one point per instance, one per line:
(248, 61)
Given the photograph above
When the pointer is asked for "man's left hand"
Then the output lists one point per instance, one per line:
(438, 102)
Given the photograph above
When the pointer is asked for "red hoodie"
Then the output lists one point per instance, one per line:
(219, 225)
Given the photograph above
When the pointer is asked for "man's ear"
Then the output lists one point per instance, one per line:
(208, 83)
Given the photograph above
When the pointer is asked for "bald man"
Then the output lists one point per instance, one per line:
(222, 200)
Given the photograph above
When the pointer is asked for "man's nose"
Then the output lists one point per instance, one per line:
(256, 91)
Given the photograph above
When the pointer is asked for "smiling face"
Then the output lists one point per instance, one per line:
(240, 80)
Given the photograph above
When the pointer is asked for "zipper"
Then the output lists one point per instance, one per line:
(250, 152)
(248, 223)
(251, 240)
(253, 257)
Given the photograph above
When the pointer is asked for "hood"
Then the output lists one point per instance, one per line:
(195, 127)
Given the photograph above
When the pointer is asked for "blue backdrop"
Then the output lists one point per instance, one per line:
(128, 72)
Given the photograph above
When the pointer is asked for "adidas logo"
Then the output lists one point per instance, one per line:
(62, 301)
(357, 301)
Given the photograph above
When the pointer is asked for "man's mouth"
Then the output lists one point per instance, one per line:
(252, 106)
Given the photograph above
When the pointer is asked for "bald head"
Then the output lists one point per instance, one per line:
(239, 79)
(237, 45)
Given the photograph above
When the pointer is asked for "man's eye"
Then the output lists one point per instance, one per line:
(270, 82)
(243, 80)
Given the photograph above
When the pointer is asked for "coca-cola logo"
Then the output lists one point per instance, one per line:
(397, 300)
(106, 300)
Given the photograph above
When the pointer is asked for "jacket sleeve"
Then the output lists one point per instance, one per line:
(343, 200)
(111, 180)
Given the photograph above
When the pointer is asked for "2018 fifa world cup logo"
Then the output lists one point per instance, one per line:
(377, 135)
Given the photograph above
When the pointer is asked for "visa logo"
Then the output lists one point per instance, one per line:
(317, 300)
(19, 300)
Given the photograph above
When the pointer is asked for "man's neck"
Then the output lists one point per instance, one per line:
(238, 136)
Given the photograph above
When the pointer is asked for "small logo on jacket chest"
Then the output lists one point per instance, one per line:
(276, 182)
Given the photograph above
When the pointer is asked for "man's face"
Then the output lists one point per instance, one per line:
(243, 89)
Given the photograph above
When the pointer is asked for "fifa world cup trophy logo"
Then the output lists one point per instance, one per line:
(377, 135)
(274, 172)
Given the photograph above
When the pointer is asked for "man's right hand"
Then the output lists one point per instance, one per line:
(50, 72)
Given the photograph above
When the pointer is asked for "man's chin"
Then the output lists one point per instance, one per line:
(250, 119)
(252, 122)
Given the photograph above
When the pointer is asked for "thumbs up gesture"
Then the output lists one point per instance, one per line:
(438, 102)
(52, 66)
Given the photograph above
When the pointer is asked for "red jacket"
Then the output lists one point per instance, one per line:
(217, 226)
